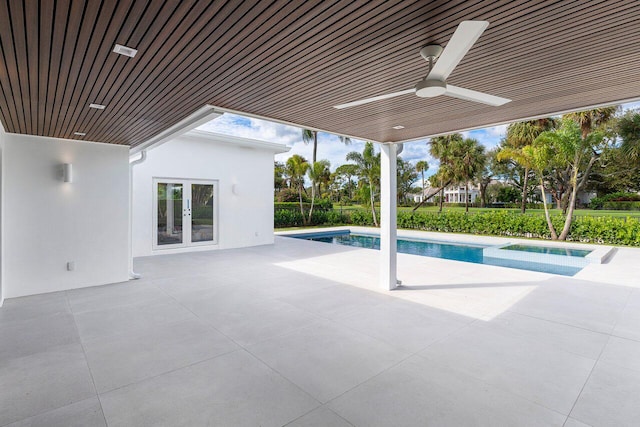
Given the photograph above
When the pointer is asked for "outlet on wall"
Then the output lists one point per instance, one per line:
(71, 265)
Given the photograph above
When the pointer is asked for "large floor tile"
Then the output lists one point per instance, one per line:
(128, 318)
(418, 392)
(622, 352)
(534, 370)
(30, 307)
(181, 285)
(321, 417)
(628, 325)
(23, 337)
(42, 382)
(231, 390)
(86, 413)
(571, 422)
(569, 306)
(610, 397)
(289, 284)
(109, 296)
(336, 301)
(257, 322)
(326, 359)
(123, 359)
(575, 340)
(245, 315)
(406, 326)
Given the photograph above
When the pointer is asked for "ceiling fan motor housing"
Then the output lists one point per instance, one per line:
(430, 87)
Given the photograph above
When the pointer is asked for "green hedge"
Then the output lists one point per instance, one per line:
(319, 204)
(606, 230)
(291, 218)
(621, 206)
(617, 201)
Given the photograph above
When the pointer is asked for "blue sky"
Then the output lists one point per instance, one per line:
(330, 147)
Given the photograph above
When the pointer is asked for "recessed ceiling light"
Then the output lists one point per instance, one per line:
(97, 106)
(126, 51)
(79, 133)
(398, 127)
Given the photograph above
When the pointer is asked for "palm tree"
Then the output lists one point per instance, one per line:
(368, 164)
(421, 167)
(568, 145)
(470, 160)
(348, 171)
(519, 135)
(316, 172)
(591, 119)
(309, 135)
(296, 168)
(629, 131)
(441, 148)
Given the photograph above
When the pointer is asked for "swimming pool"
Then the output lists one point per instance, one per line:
(454, 251)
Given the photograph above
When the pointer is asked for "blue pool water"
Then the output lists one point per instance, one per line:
(458, 252)
(548, 250)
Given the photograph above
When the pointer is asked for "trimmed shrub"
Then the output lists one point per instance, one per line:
(588, 229)
(319, 205)
(616, 201)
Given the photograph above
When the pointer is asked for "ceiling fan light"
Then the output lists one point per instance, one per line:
(430, 88)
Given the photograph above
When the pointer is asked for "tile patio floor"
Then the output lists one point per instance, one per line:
(297, 334)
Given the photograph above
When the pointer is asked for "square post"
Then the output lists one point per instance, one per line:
(388, 216)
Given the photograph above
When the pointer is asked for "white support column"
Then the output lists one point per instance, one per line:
(388, 217)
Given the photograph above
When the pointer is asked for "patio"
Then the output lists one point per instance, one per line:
(298, 334)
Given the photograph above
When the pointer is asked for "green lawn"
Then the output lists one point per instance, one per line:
(577, 212)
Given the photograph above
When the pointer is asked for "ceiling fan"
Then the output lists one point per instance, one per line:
(434, 83)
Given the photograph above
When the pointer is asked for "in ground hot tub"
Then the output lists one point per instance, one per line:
(564, 255)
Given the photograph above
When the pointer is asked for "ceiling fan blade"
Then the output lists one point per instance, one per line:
(472, 95)
(375, 98)
(462, 40)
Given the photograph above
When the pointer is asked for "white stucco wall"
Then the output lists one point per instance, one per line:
(47, 223)
(244, 219)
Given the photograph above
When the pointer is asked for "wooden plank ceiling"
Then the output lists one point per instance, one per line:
(294, 60)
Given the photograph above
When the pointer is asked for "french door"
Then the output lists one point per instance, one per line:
(184, 213)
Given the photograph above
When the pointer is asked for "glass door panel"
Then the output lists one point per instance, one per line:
(169, 211)
(202, 213)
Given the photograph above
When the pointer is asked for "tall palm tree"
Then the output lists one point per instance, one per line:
(520, 135)
(589, 120)
(316, 172)
(348, 171)
(470, 159)
(421, 167)
(309, 135)
(567, 145)
(440, 147)
(629, 131)
(296, 168)
(368, 164)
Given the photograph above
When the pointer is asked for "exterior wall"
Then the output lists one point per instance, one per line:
(47, 223)
(243, 219)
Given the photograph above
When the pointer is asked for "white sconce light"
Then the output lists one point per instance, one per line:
(234, 189)
(67, 172)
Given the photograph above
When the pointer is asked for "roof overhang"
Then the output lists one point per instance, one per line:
(292, 62)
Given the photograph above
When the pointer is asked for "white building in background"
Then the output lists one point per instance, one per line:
(203, 191)
(452, 193)
(456, 193)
